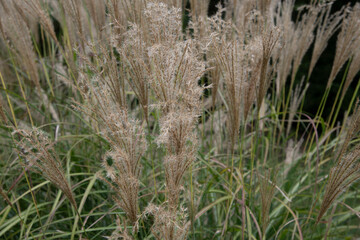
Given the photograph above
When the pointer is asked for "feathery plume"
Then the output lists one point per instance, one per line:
(297, 38)
(353, 70)
(108, 81)
(328, 25)
(342, 175)
(15, 29)
(134, 53)
(105, 102)
(38, 152)
(241, 72)
(267, 185)
(176, 72)
(347, 166)
(163, 23)
(34, 8)
(286, 54)
(353, 129)
(347, 40)
(270, 38)
(303, 36)
(122, 163)
(203, 30)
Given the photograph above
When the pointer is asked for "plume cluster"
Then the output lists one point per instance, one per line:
(122, 162)
(175, 69)
(144, 74)
(328, 25)
(106, 104)
(348, 38)
(175, 83)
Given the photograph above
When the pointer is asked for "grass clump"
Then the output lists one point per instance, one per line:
(151, 120)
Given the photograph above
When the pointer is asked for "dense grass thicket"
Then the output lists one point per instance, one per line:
(150, 119)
